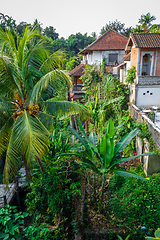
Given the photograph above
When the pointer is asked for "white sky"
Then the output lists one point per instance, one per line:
(84, 16)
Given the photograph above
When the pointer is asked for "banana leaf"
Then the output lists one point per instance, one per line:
(121, 160)
(106, 148)
(128, 174)
(122, 144)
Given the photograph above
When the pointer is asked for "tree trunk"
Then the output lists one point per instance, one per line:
(41, 165)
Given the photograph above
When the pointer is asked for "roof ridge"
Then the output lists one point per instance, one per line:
(98, 39)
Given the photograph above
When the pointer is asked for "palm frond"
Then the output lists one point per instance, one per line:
(33, 59)
(53, 61)
(63, 109)
(55, 80)
(7, 42)
(46, 119)
(29, 34)
(29, 139)
(5, 135)
(6, 79)
(10, 77)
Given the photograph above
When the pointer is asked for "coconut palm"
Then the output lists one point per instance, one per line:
(146, 20)
(29, 77)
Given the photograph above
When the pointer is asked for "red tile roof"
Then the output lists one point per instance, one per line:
(77, 71)
(111, 40)
(127, 57)
(146, 40)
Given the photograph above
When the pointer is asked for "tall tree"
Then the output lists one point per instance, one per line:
(146, 20)
(21, 27)
(7, 22)
(38, 25)
(116, 25)
(77, 42)
(29, 76)
(51, 32)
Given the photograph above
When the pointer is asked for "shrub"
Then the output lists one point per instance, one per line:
(50, 200)
(135, 203)
(11, 223)
(131, 75)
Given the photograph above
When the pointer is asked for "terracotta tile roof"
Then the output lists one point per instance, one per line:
(146, 40)
(110, 40)
(77, 71)
(127, 57)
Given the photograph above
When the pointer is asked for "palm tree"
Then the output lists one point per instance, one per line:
(146, 20)
(29, 76)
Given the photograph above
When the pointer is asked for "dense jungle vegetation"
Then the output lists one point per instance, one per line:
(84, 182)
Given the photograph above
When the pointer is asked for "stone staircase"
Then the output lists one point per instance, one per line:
(6, 195)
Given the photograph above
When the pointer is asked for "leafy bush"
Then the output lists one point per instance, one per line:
(50, 200)
(11, 223)
(135, 203)
(131, 75)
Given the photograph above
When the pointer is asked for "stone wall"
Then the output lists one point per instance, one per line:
(121, 54)
(148, 80)
(151, 163)
(137, 114)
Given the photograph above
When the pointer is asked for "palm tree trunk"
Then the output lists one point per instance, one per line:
(41, 165)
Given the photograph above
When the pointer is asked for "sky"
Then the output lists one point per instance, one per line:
(84, 16)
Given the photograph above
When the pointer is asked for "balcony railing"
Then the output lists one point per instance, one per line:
(78, 89)
(148, 80)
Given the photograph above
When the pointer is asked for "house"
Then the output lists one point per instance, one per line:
(110, 46)
(76, 92)
(123, 67)
(143, 52)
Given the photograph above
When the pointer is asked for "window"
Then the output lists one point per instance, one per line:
(113, 57)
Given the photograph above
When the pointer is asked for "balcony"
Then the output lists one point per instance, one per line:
(77, 89)
(148, 80)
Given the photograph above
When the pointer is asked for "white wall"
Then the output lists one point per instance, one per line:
(97, 57)
(148, 96)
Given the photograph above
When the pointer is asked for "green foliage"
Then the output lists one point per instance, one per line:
(60, 139)
(145, 21)
(143, 131)
(50, 32)
(78, 41)
(157, 235)
(51, 197)
(120, 238)
(154, 29)
(73, 44)
(73, 62)
(104, 157)
(7, 22)
(117, 26)
(29, 77)
(131, 75)
(90, 77)
(11, 223)
(135, 203)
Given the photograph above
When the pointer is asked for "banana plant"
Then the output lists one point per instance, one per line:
(103, 157)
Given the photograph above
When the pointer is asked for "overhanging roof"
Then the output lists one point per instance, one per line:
(110, 40)
(77, 71)
(144, 40)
